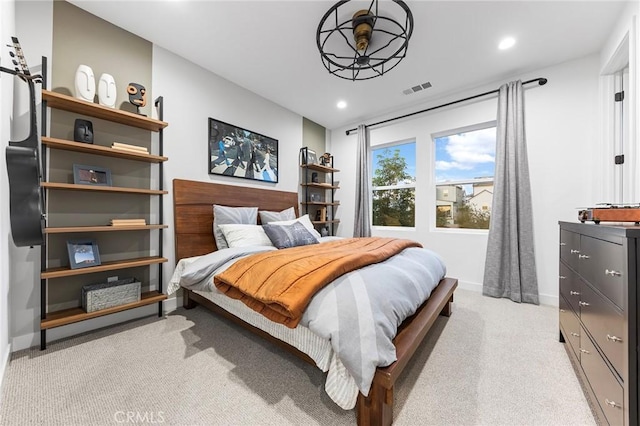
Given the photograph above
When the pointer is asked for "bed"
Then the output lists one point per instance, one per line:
(193, 219)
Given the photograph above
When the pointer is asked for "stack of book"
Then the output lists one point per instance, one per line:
(128, 222)
(129, 148)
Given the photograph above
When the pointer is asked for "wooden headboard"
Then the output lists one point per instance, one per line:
(193, 210)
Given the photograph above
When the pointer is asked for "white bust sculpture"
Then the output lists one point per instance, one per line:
(107, 90)
(85, 83)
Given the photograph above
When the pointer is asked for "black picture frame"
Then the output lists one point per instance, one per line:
(91, 175)
(309, 156)
(83, 253)
(243, 153)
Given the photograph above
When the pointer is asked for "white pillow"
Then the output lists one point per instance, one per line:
(240, 235)
(223, 215)
(303, 220)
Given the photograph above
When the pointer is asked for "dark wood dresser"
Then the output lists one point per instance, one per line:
(598, 315)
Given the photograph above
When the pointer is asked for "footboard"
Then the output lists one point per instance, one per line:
(377, 408)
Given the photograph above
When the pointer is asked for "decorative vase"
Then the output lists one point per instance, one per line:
(85, 83)
(107, 90)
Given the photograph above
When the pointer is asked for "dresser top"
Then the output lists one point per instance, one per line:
(603, 229)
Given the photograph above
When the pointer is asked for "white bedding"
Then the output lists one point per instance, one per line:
(376, 298)
(340, 385)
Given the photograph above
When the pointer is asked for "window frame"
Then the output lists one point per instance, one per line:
(464, 129)
(372, 188)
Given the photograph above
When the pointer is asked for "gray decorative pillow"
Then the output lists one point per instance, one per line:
(223, 215)
(268, 217)
(285, 236)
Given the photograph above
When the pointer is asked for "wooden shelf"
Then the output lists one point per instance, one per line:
(104, 228)
(100, 150)
(68, 316)
(68, 103)
(65, 271)
(320, 203)
(320, 185)
(322, 222)
(74, 187)
(319, 168)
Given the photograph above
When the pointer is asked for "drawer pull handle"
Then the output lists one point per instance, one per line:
(574, 334)
(575, 251)
(581, 303)
(574, 293)
(614, 338)
(612, 273)
(612, 403)
(584, 351)
(563, 311)
(583, 256)
(563, 244)
(562, 277)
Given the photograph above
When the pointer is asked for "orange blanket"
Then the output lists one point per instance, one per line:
(279, 284)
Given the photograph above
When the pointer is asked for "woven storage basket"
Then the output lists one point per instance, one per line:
(107, 295)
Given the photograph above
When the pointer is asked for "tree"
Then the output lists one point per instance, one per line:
(470, 217)
(393, 207)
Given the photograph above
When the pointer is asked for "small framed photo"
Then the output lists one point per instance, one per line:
(83, 253)
(308, 156)
(91, 175)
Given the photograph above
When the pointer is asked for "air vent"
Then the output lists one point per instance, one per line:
(417, 88)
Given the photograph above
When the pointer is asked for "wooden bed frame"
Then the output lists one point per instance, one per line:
(193, 217)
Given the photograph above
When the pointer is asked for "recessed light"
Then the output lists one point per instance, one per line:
(341, 104)
(506, 43)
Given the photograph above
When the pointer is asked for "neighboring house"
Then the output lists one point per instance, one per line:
(481, 201)
(448, 198)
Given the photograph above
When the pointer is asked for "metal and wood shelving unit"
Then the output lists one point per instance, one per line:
(60, 101)
(324, 189)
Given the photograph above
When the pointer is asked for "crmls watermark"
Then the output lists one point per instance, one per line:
(148, 417)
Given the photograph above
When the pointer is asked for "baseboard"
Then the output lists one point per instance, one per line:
(27, 341)
(545, 299)
(4, 364)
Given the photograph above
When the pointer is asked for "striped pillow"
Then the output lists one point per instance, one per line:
(268, 217)
(223, 215)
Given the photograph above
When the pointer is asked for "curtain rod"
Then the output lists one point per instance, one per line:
(541, 81)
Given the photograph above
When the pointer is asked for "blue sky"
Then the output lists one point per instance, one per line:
(463, 156)
(407, 150)
(466, 156)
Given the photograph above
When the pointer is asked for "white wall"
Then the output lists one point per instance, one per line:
(561, 125)
(192, 95)
(7, 27)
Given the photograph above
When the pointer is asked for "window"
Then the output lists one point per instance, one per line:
(394, 185)
(464, 171)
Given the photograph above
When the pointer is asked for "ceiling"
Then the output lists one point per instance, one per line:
(269, 47)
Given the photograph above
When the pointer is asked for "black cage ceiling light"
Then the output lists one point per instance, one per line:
(359, 43)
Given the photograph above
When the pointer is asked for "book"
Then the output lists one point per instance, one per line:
(128, 222)
(134, 151)
(127, 146)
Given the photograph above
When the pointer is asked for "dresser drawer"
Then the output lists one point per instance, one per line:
(570, 286)
(605, 323)
(608, 391)
(569, 248)
(602, 264)
(570, 326)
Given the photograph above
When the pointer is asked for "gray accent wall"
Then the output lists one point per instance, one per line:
(82, 38)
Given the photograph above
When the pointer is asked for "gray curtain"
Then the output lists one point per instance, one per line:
(510, 268)
(362, 221)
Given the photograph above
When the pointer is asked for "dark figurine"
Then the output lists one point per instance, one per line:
(83, 131)
(137, 95)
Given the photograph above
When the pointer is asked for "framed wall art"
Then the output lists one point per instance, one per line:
(237, 152)
(91, 175)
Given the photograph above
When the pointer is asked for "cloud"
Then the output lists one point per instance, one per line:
(469, 150)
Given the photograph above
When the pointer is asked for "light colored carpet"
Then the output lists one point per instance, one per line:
(493, 362)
